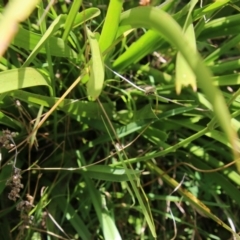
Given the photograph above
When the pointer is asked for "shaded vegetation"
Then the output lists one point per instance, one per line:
(120, 120)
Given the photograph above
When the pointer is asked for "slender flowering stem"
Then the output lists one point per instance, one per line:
(147, 91)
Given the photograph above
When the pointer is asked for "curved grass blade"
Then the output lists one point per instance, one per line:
(22, 78)
(146, 44)
(95, 82)
(50, 31)
(155, 19)
(85, 15)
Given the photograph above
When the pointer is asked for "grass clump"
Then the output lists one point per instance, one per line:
(127, 120)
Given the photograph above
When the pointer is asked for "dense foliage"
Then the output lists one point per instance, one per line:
(120, 119)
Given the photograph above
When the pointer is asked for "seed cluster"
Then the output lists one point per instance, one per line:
(25, 207)
(14, 182)
(6, 140)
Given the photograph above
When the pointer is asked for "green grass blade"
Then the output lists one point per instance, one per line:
(111, 174)
(184, 74)
(155, 19)
(75, 219)
(95, 82)
(9, 122)
(111, 23)
(108, 227)
(85, 15)
(71, 18)
(141, 197)
(75, 109)
(146, 44)
(28, 40)
(50, 31)
(226, 80)
(22, 78)
(209, 60)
